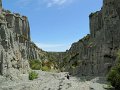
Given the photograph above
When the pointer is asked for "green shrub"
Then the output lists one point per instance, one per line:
(35, 64)
(46, 68)
(8, 11)
(114, 74)
(33, 75)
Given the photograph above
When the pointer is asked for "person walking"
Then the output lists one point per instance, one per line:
(68, 76)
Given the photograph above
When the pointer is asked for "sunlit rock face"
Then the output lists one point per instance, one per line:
(16, 47)
(95, 54)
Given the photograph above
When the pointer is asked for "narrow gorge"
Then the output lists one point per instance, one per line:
(93, 55)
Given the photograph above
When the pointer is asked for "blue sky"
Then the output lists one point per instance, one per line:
(55, 24)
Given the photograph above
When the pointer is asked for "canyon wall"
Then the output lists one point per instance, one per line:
(16, 47)
(95, 54)
(92, 55)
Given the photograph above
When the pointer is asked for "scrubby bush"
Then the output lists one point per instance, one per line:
(114, 77)
(114, 74)
(33, 75)
(35, 64)
(8, 11)
(46, 68)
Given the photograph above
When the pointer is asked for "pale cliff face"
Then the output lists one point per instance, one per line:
(16, 47)
(95, 54)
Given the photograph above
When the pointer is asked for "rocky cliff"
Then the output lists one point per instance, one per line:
(95, 54)
(16, 47)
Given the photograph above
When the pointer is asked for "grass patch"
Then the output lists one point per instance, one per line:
(33, 75)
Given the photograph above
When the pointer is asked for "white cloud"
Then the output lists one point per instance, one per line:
(53, 47)
(51, 3)
(48, 3)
